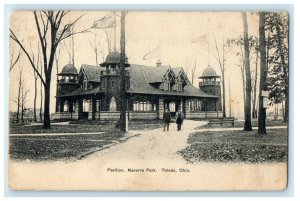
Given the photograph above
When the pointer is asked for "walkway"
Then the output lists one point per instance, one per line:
(147, 162)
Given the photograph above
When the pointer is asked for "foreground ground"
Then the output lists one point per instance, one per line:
(237, 146)
(148, 160)
(81, 127)
(190, 145)
(240, 124)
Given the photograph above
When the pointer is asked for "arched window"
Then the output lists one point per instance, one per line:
(172, 107)
(86, 105)
(66, 106)
(113, 104)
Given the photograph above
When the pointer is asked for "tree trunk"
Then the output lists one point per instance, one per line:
(22, 103)
(34, 102)
(19, 96)
(47, 105)
(247, 126)
(223, 89)
(263, 73)
(41, 105)
(254, 112)
(122, 123)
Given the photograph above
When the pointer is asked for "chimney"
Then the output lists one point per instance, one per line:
(158, 63)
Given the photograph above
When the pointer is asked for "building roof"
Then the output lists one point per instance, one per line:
(80, 91)
(154, 74)
(209, 72)
(114, 57)
(139, 83)
(92, 72)
(141, 79)
(68, 69)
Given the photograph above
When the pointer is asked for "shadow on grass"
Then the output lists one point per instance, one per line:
(236, 146)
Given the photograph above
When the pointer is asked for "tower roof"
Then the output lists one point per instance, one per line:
(68, 69)
(114, 57)
(209, 72)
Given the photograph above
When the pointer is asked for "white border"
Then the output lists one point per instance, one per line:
(294, 85)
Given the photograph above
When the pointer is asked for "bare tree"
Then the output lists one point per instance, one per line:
(23, 100)
(35, 80)
(14, 61)
(50, 33)
(122, 121)
(108, 39)
(18, 101)
(57, 57)
(222, 68)
(95, 45)
(41, 93)
(254, 83)
(247, 125)
(263, 74)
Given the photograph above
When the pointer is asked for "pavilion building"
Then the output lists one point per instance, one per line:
(93, 93)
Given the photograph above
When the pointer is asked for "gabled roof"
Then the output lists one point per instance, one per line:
(155, 74)
(91, 72)
(139, 83)
(180, 72)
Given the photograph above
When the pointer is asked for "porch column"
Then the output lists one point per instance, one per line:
(76, 115)
(187, 109)
(98, 106)
(160, 108)
(90, 117)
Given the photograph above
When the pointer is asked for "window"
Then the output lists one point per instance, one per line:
(196, 105)
(142, 106)
(66, 78)
(66, 106)
(103, 84)
(167, 86)
(85, 85)
(113, 104)
(179, 86)
(172, 107)
(112, 84)
(86, 105)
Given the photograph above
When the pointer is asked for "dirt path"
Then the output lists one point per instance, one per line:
(152, 144)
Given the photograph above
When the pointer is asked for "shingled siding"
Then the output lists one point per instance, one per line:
(204, 115)
(64, 116)
(132, 115)
(143, 115)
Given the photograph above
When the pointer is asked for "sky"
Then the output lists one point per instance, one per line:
(171, 31)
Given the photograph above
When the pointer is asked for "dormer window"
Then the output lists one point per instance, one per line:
(85, 85)
(167, 85)
(179, 86)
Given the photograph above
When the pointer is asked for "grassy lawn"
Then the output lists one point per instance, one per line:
(41, 148)
(241, 124)
(84, 127)
(236, 146)
(68, 147)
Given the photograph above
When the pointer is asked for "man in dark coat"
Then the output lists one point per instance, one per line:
(179, 119)
(166, 119)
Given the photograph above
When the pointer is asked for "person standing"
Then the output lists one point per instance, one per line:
(179, 119)
(166, 119)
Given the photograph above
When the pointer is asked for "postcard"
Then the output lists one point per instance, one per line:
(148, 100)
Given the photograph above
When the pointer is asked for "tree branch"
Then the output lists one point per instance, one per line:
(14, 38)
